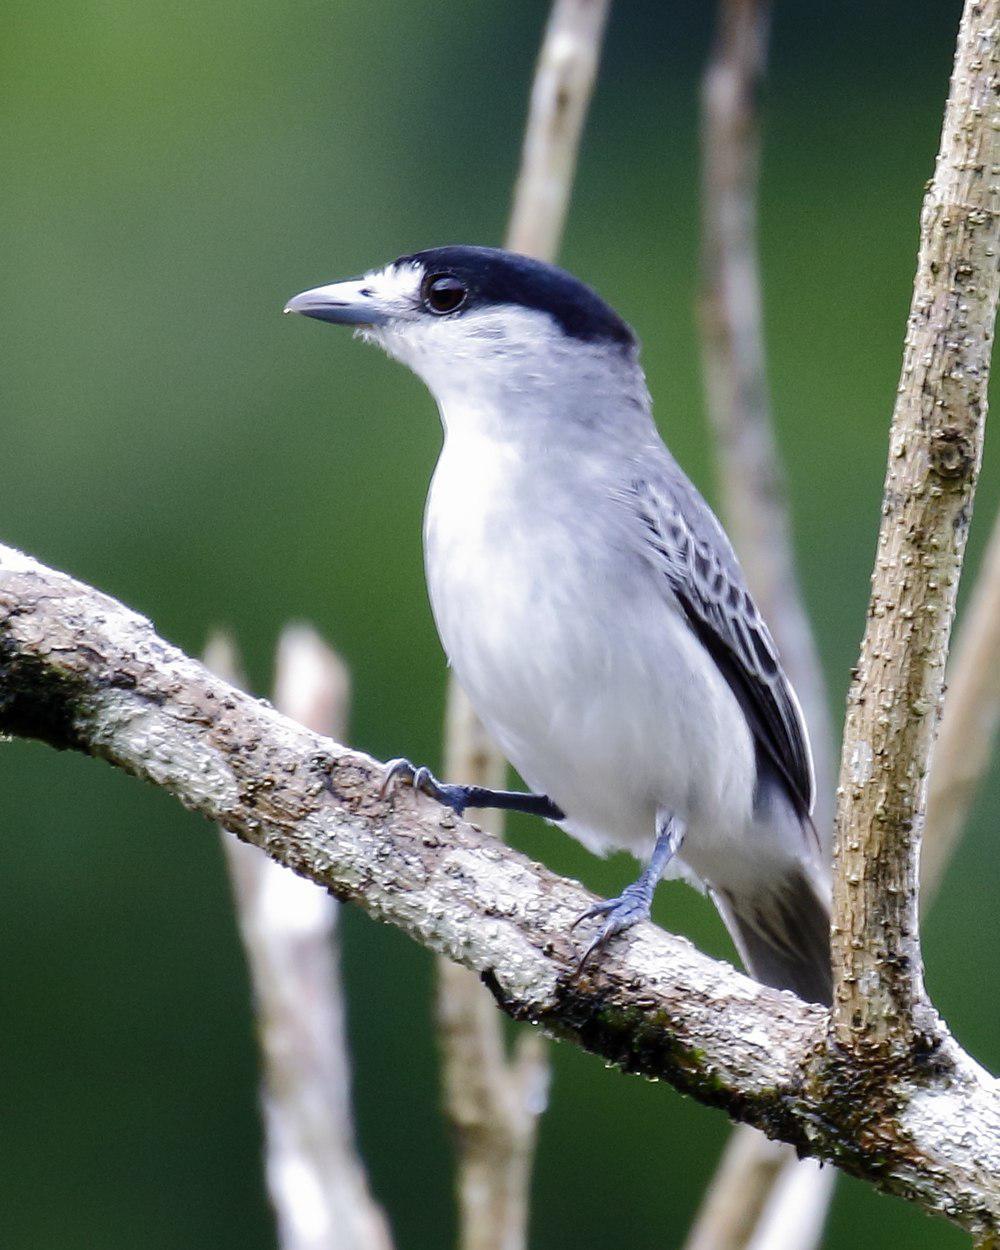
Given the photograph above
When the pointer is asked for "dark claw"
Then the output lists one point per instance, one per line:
(421, 778)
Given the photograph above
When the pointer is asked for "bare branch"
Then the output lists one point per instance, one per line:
(494, 1103)
(968, 723)
(796, 1207)
(735, 1198)
(560, 96)
(934, 456)
(762, 1197)
(754, 500)
(791, 1199)
(81, 672)
(753, 492)
(316, 1179)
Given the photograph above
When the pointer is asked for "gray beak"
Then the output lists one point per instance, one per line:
(345, 303)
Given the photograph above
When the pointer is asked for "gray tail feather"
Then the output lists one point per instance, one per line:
(783, 935)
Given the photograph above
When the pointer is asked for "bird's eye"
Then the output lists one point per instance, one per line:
(443, 293)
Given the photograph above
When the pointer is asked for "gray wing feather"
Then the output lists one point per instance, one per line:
(686, 543)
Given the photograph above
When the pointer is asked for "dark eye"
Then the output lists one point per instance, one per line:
(443, 293)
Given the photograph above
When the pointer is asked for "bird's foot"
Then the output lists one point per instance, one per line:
(402, 772)
(628, 909)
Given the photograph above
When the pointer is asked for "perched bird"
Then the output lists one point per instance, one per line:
(592, 606)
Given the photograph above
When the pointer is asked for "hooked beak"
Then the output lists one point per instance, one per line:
(345, 303)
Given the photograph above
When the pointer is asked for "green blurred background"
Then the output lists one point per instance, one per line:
(172, 172)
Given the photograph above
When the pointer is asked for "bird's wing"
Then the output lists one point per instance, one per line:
(685, 542)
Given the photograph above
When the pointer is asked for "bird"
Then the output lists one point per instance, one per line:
(592, 607)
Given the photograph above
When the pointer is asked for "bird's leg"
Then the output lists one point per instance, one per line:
(459, 798)
(634, 902)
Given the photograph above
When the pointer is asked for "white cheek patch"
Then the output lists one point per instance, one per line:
(396, 288)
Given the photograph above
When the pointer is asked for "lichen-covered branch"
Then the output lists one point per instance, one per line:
(315, 1176)
(935, 449)
(81, 672)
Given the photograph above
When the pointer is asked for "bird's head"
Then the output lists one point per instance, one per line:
(478, 323)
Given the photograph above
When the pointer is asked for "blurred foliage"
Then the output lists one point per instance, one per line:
(172, 173)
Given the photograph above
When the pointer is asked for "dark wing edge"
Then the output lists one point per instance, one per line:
(708, 583)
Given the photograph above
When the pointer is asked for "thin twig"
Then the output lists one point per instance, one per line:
(80, 671)
(315, 1176)
(935, 450)
(494, 1102)
(755, 503)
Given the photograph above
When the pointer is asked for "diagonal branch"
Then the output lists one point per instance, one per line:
(79, 671)
(934, 456)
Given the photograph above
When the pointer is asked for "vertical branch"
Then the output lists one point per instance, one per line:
(753, 492)
(493, 1102)
(754, 1174)
(935, 450)
(762, 1198)
(315, 1176)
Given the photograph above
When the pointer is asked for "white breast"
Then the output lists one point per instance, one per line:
(578, 665)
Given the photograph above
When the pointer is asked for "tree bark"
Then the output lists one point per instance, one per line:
(79, 671)
(880, 1006)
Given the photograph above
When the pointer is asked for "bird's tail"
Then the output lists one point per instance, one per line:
(782, 932)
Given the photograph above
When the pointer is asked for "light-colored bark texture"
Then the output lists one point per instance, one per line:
(936, 439)
(315, 1176)
(79, 671)
(494, 1102)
